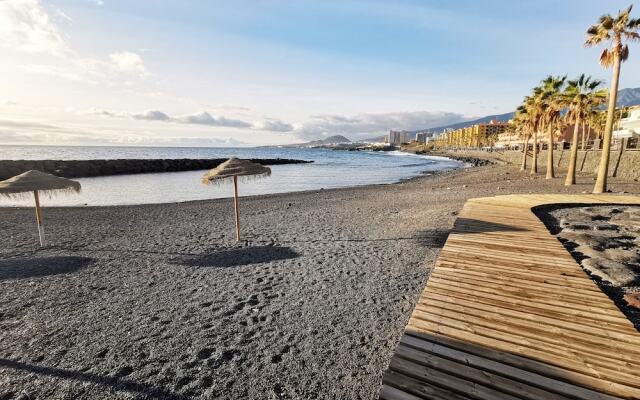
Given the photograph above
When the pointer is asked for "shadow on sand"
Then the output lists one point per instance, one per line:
(433, 238)
(470, 225)
(239, 257)
(114, 382)
(18, 268)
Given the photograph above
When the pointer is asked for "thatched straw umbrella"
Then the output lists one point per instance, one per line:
(232, 169)
(36, 181)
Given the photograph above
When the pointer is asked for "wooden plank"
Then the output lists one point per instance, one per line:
(462, 370)
(516, 343)
(447, 381)
(401, 387)
(529, 295)
(503, 367)
(535, 311)
(594, 329)
(553, 335)
(560, 307)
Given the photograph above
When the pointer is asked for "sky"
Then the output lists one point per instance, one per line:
(258, 72)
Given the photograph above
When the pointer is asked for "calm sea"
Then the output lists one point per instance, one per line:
(330, 169)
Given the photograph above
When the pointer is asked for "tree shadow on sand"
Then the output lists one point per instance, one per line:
(19, 268)
(239, 257)
(117, 383)
(470, 225)
(433, 238)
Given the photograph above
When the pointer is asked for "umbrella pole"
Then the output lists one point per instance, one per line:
(235, 205)
(39, 218)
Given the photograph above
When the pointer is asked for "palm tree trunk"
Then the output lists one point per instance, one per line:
(525, 150)
(584, 144)
(571, 172)
(550, 172)
(603, 169)
(534, 157)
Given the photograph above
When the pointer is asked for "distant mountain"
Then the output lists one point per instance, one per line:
(337, 139)
(377, 139)
(628, 97)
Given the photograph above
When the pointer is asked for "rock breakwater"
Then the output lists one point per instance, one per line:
(88, 168)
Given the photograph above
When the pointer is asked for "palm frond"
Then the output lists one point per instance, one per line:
(606, 58)
(624, 53)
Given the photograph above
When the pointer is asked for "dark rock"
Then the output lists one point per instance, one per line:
(85, 168)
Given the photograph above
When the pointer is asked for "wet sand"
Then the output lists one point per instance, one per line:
(159, 301)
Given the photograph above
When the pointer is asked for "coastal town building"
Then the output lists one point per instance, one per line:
(515, 141)
(423, 136)
(479, 135)
(396, 138)
(630, 126)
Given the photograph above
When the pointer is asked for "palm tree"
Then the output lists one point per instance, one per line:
(552, 103)
(613, 31)
(593, 122)
(532, 103)
(522, 126)
(582, 97)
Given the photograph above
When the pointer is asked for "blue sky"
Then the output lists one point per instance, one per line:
(166, 72)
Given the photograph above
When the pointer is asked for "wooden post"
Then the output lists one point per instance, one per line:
(39, 220)
(235, 205)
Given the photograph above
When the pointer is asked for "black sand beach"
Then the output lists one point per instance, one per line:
(159, 302)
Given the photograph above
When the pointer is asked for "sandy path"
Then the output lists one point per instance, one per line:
(157, 301)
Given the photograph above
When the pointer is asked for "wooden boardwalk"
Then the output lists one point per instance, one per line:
(508, 314)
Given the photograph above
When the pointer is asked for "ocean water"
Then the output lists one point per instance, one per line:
(330, 169)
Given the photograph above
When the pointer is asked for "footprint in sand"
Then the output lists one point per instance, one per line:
(204, 353)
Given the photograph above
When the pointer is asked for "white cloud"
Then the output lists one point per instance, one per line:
(152, 115)
(204, 118)
(121, 70)
(366, 125)
(27, 125)
(34, 132)
(59, 72)
(62, 15)
(200, 118)
(128, 62)
(273, 125)
(26, 26)
(96, 2)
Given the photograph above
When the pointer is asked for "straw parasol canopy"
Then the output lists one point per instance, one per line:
(235, 167)
(21, 185)
(35, 182)
(231, 170)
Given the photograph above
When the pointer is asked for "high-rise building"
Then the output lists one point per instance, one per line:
(396, 138)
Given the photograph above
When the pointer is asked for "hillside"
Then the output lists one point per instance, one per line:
(628, 97)
(336, 139)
